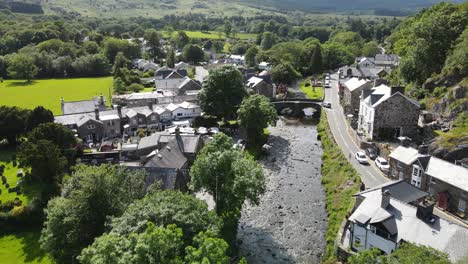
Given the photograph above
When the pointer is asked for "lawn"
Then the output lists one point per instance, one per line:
(311, 92)
(22, 247)
(29, 190)
(48, 92)
(214, 35)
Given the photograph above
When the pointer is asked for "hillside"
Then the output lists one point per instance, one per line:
(159, 8)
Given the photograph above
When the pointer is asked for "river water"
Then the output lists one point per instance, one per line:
(290, 223)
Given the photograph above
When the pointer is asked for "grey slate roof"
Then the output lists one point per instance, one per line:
(190, 142)
(400, 190)
(85, 106)
(150, 141)
(442, 235)
(168, 157)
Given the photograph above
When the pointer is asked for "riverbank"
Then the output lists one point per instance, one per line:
(341, 181)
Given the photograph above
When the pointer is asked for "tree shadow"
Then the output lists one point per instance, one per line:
(258, 246)
(20, 83)
(30, 245)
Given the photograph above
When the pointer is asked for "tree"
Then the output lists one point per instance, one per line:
(89, 197)
(458, 58)
(113, 46)
(207, 249)
(13, 122)
(268, 40)
(255, 114)
(231, 178)
(370, 49)
(44, 158)
(152, 38)
(39, 115)
(180, 39)
(284, 73)
(406, 253)
(250, 56)
(121, 62)
(336, 55)
(135, 87)
(170, 58)
(193, 53)
(227, 28)
(119, 85)
(222, 92)
(316, 63)
(22, 67)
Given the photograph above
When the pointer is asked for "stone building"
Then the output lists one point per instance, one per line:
(385, 113)
(352, 91)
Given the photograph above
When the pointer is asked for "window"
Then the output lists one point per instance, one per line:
(140, 120)
(357, 242)
(91, 126)
(461, 205)
(179, 114)
(153, 117)
(134, 121)
(373, 229)
(416, 176)
(111, 123)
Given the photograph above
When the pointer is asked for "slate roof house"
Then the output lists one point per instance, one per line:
(157, 97)
(260, 86)
(384, 220)
(167, 73)
(445, 181)
(179, 86)
(385, 112)
(351, 94)
(84, 106)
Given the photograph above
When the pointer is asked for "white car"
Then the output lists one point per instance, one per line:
(214, 130)
(327, 78)
(202, 130)
(361, 157)
(382, 164)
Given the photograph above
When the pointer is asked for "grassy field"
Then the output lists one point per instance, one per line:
(29, 190)
(311, 92)
(213, 35)
(341, 181)
(22, 247)
(48, 92)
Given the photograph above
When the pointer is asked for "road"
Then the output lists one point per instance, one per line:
(370, 174)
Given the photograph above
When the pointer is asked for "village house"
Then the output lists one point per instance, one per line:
(184, 110)
(351, 94)
(168, 73)
(446, 182)
(385, 113)
(260, 86)
(156, 97)
(179, 86)
(384, 217)
(84, 106)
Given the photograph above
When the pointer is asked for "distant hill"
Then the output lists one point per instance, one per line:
(341, 5)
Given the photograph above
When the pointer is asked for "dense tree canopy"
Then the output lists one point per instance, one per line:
(22, 67)
(255, 114)
(222, 92)
(193, 53)
(13, 122)
(89, 197)
(284, 73)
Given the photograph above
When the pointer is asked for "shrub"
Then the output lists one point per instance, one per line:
(135, 87)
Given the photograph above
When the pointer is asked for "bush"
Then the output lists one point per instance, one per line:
(135, 87)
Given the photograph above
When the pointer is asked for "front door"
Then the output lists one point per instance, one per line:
(401, 175)
(462, 205)
(397, 132)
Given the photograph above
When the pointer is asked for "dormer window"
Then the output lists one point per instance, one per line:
(416, 177)
(91, 126)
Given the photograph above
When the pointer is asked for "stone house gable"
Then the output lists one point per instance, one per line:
(396, 116)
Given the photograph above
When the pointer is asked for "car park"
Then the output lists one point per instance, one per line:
(361, 157)
(382, 164)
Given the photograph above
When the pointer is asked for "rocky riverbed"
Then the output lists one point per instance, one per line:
(290, 223)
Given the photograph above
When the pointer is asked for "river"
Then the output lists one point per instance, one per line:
(289, 224)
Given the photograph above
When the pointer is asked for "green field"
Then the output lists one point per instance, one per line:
(213, 35)
(48, 92)
(22, 247)
(29, 190)
(311, 92)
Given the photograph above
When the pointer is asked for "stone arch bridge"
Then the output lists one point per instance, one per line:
(295, 106)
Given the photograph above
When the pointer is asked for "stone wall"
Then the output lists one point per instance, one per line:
(397, 111)
(454, 196)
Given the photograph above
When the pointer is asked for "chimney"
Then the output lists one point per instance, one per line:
(423, 149)
(385, 198)
(101, 100)
(425, 210)
(62, 101)
(119, 111)
(96, 113)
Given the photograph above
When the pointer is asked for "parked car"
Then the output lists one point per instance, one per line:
(214, 130)
(326, 104)
(372, 153)
(382, 164)
(327, 84)
(202, 130)
(361, 157)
